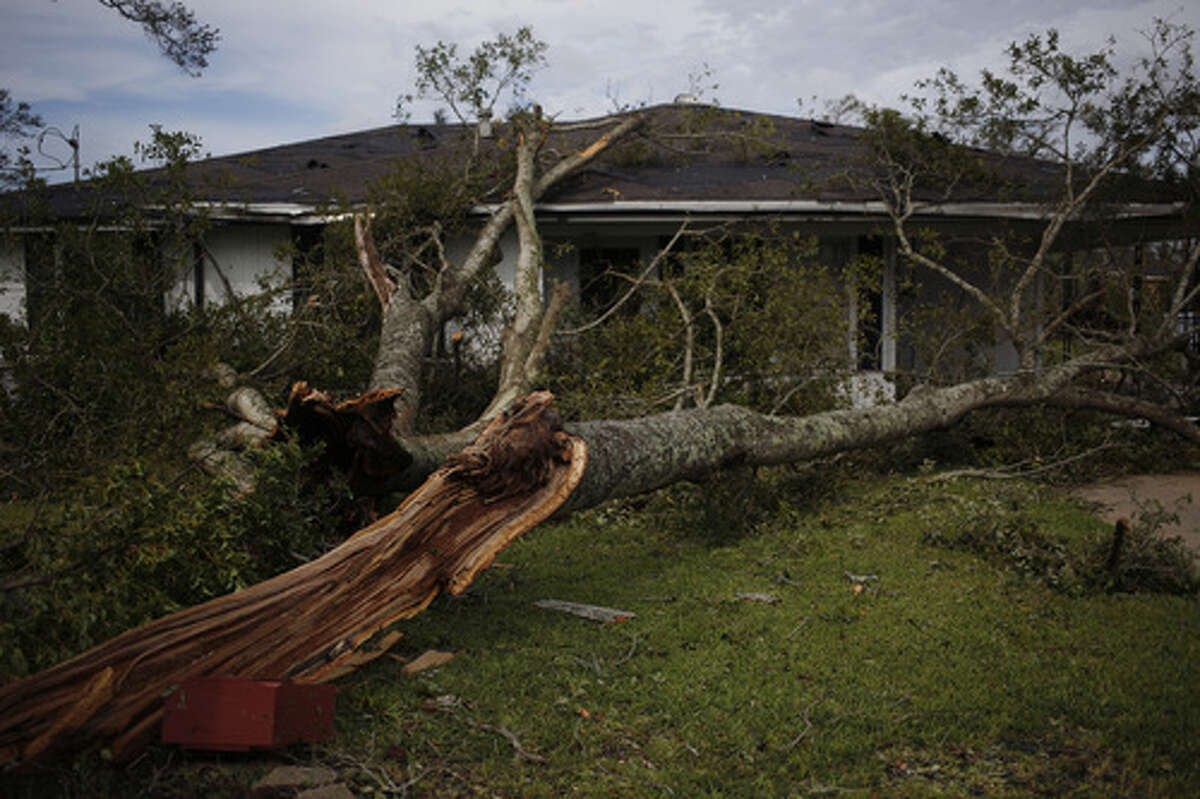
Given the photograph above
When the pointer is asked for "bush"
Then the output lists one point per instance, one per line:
(748, 312)
(105, 367)
(995, 527)
(1143, 560)
(132, 547)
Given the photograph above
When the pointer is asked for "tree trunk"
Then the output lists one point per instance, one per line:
(408, 323)
(311, 624)
(316, 622)
(638, 455)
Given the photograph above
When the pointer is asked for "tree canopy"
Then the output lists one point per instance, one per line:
(173, 28)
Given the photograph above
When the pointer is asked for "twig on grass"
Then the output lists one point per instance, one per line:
(796, 629)
(458, 708)
(628, 655)
(592, 612)
(594, 666)
(757, 596)
(519, 750)
(807, 723)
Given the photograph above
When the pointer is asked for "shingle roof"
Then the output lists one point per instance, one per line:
(683, 154)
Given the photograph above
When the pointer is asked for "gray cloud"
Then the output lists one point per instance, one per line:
(292, 70)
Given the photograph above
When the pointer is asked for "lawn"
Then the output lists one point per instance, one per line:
(823, 637)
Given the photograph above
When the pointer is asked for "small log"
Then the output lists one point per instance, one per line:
(250, 406)
(757, 596)
(321, 620)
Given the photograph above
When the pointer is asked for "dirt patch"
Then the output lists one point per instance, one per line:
(1178, 493)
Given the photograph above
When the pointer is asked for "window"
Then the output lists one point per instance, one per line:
(599, 285)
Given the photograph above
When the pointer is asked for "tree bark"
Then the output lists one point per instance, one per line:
(316, 622)
(409, 323)
(635, 456)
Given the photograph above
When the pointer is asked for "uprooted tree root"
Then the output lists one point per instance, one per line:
(321, 620)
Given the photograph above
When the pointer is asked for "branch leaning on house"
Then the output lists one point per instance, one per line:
(408, 323)
(636, 284)
(407, 330)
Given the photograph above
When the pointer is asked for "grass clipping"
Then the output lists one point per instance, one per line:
(319, 621)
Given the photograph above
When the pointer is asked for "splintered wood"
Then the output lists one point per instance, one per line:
(356, 433)
(316, 622)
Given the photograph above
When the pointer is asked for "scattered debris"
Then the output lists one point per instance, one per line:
(335, 790)
(296, 777)
(858, 582)
(458, 708)
(593, 612)
(518, 750)
(756, 596)
(800, 624)
(444, 704)
(428, 660)
(861, 578)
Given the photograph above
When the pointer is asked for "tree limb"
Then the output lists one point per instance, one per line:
(636, 284)
(369, 260)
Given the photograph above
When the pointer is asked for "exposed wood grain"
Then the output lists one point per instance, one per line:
(321, 620)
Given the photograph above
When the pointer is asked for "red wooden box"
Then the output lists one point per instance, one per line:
(237, 713)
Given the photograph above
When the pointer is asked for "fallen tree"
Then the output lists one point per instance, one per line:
(509, 480)
(327, 617)
(320, 620)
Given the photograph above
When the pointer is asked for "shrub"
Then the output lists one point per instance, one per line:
(996, 527)
(132, 547)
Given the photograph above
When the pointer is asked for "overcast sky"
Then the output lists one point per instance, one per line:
(294, 70)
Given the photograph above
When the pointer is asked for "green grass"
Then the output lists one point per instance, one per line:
(953, 674)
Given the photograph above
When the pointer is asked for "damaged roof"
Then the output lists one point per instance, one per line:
(684, 157)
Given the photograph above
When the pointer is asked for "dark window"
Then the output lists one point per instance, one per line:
(599, 283)
(870, 311)
(306, 249)
(198, 274)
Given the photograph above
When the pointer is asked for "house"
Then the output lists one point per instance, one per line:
(700, 164)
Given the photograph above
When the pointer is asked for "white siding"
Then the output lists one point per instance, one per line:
(12, 279)
(485, 341)
(239, 259)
